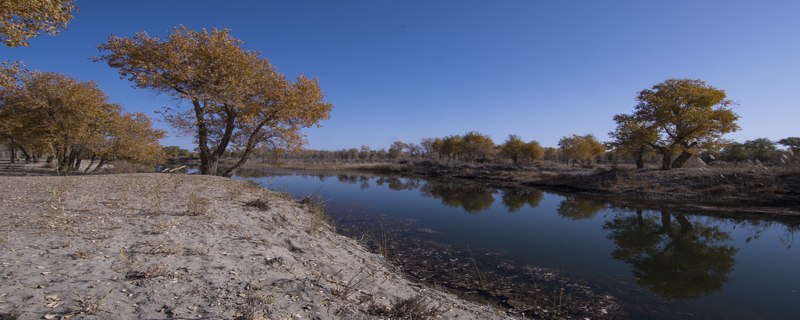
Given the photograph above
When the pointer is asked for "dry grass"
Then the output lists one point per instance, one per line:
(417, 308)
(128, 167)
(315, 205)
(196, 205)
(260, 204)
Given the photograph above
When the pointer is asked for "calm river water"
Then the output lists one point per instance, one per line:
(656, 264)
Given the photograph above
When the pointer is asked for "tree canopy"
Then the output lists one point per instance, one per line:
(581, 148)
(21, 20)
(237, 98)
(516, 149)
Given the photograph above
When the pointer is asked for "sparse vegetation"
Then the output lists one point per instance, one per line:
(196, 205)
(418, 307)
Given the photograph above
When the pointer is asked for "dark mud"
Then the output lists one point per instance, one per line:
(473, 273)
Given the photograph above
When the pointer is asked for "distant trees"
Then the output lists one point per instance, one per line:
(237, 99)
(175, 152)
(68, 120)
(21, 20)
(793, 143)
(516, 149)
(581, 148)
(761, 149)
(677, 116)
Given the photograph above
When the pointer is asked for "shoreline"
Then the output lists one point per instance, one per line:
(754, 190)
(173, 245)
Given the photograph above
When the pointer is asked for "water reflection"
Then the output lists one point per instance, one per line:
(473, 198)
(577, 208)
(515, 199)
(670, 255)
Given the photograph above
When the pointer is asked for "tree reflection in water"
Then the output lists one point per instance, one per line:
(577, 208)
(672, 256)
(515, 199)
(470, 197)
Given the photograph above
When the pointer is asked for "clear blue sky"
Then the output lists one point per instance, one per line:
(406, 70)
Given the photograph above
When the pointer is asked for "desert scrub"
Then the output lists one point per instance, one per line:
(197, 205)
(260, 204)
(417, 307)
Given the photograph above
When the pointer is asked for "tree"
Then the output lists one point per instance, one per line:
(633, 138)
(688, 115)
(21, 20)
(396, 149)
(70, 120)
(761, 149)
(237, 98)
(793, 143)
(581, 148)
(734, 151)
(513, 148)
(477, 146)
(516, 149)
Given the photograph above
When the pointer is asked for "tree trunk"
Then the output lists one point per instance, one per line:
(89, 166)
(640, 157)
(202, 138)
(681, 160)
(666, 160)
(100, 164)
(666, 223)
(686, 225)
(252, 140)
(13, 152)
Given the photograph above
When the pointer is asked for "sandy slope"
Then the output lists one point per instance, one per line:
(173, 246)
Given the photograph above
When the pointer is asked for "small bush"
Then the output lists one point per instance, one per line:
(197, 206)
(417, 307)
(259, 204)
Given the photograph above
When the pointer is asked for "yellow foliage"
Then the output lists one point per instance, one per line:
(21, 20)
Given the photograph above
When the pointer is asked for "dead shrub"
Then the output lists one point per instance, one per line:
(418, 308)
(196, 205)
(259, 204)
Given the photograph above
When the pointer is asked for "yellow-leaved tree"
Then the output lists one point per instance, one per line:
(678, 116)
(21, 20)
(69, 120)
(236, 98)
(581, 148)
(516, 149)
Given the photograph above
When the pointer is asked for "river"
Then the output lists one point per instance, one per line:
(579, 256)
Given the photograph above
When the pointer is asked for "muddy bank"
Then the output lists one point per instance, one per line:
(752, 189)
(162, 246)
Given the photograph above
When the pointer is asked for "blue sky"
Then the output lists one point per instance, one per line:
(406, 70)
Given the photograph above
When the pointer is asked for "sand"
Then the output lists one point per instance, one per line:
(160, 246)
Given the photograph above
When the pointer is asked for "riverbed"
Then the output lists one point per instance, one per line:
(540, 253)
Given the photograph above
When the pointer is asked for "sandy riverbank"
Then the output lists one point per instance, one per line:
(160, 246)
